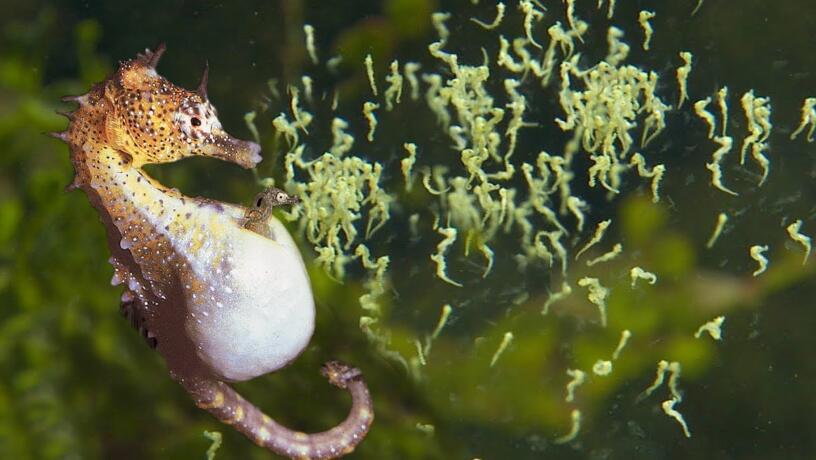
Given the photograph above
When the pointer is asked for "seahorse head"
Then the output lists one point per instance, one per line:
(156, 121)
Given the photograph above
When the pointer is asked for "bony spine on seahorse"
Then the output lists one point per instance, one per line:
(219, 290)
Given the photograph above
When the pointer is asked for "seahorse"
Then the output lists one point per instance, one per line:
(219, 290)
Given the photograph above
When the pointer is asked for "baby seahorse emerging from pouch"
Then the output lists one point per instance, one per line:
(219, 290)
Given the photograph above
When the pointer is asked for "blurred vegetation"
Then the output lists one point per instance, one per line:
(77, 382)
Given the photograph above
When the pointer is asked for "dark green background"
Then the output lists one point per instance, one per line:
(77, 382)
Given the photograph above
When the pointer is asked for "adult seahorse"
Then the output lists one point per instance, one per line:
(219, 299)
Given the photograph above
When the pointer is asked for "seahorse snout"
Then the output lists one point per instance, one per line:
(246, 154)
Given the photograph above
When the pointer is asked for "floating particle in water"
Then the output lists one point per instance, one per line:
(713, 327)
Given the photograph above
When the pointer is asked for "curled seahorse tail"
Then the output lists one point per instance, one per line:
(229, 407)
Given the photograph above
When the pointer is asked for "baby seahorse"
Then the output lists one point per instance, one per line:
(220, 291)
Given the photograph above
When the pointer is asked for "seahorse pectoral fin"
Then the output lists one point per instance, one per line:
(229, 407)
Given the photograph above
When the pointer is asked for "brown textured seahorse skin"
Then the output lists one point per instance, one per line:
(229, 407)
(178, 256)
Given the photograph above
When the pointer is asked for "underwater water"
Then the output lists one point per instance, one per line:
(486, 324)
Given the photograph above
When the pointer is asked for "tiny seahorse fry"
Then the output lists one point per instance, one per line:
(219, 290)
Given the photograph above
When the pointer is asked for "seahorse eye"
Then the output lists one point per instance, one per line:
(281, 197)
(195, 121)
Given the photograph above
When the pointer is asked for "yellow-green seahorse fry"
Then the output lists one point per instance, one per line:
(722, 102)
(797, 236)
(369, 65)
(560, 250)
(566, 290)
(716, 167)
(410, 69)
(532, 14)
(600, 230)
(575, 416)
(606, 257)
(368, 113)
(713, 327)
(394, 91)
(625, 336)
(310, 43)
(443, 320)
(438, 20)
(668, 408)
(578, 378)
(307, 87)
(637, 273)
(656, 174)
(808, 118)
(342, 142)
(407, 164)
(508, 337)
(682, 77)
(597, 295)
(602, 367)
(722, 219)
(216, 439)
(439, 258)
(700, 110)
(643, 19)
(757, 253)
(496, 21)
(660, 375)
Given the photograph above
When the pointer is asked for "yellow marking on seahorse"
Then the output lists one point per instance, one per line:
(217, 402)
(237, 416)
(263, 435)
